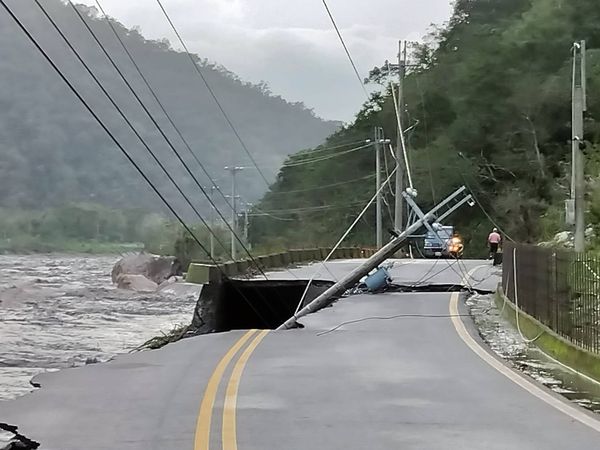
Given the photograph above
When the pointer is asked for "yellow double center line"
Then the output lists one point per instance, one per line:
(203, 426)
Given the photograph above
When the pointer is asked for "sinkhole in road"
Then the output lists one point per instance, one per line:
(266, 304)
(243, 305)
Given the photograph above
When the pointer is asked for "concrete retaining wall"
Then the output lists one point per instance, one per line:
(549, 341)
(200, 273)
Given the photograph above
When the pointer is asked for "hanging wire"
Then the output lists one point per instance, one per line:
(325, 186)
(337, 30)
(86, 105)
(158, 127)
(324, 158)
(213, 95)
(158, 101)
(346, 233)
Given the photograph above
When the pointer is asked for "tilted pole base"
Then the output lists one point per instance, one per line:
(339, 288)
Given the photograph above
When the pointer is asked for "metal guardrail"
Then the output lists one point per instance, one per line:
(559, 288)
(202, 272)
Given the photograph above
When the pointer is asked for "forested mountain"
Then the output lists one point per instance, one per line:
(489, 97)
(52, 152)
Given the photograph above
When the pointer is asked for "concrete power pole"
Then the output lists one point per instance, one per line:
(233, 170)
(212, 222)
(247, 225)
(378, 137)
(399, 204)
(578, 143)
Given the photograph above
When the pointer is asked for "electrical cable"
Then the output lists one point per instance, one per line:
(346, 233)
(337, 30)
(266, 214)
(308, 209)
(324, 158)
(212, 94)
(156, 124)
(390, 190)
(159, 103)
(321, 148)
(479, 203)
(124, 79)
(127, 121)
(398, 316)
(528, 341)
(325, 186)
(86, 105)
(402, 140)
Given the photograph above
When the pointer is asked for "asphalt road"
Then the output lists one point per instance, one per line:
(388, 371)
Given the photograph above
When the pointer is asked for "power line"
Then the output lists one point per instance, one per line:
(155, 96)
(309, 208)
(490, 218)
(323, 148)
(326, 186)
(122, 114)
(398, 316)
(117, 143)
(160, 104)
(212, 93)
(346, 49)
(324, 158)
(267, 214)
(156, 124)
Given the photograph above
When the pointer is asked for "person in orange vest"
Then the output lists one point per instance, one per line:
(455, 246)
(494, 241)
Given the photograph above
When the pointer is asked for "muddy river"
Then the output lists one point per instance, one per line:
(63, 311)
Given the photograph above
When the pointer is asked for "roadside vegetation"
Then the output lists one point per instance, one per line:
(488, 103)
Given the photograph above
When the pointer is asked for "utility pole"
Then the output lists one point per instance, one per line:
(399, 204)
(212, 222)
(578, 142)
(246, 225)
(233, 170)
(379, 220)
(450, 204)
(379, 140)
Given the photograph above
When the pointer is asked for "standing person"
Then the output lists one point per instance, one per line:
(494, 240)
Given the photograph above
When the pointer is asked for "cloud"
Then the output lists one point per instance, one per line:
(291, 46)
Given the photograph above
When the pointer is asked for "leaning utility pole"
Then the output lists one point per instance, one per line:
(453, 202)
(399, 204)
(233, 170)
(578, 142)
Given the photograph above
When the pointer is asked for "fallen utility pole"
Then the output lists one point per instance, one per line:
(460, 197)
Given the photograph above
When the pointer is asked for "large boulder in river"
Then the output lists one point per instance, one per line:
(153, 267)
(137, 283)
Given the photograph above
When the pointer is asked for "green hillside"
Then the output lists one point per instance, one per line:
(489, 99)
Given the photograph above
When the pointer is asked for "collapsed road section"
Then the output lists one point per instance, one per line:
(18, 441)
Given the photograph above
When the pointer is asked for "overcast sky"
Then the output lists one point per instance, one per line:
(291, 45)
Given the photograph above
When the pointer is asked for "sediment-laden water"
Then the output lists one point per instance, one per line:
(63, 311)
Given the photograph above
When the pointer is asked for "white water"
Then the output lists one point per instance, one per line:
(59, 311)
